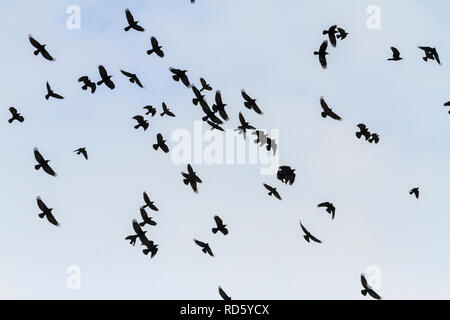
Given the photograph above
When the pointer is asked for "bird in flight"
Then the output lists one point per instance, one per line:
(82, 151)
(395, 55)
(42, 163)
(132, 78)
(209, 114)
(244, 125)
(272, 191)
(205, 247)
(191, 178)
(363, 131)
(15, 115)
(46, 212)
(156, 48)
(151, 247)
(198, 96)
(342, 34)
(141, 122)
(180, 75)
(166, 111)
(331, 34)
(328, 112)
(374, 137)
(286, 174)
(140, 234)
(215, 126)
(87, 83)
(308, 236)
(415, 192)
(223, 294)
(105, 78)
(367, 289)
(50, 93)
(220, 226)
(250, 103)
(322, 53)
(161, 143)
(219, 106)
(40, 48)
(150, 110)
(430, 53)
(329, 208)
(205, 85)
(146, 219)
(132, 24)
(148, 203)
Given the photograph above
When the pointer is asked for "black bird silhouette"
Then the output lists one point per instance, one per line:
(329, 208)
(152, 248)
(395, 55)
(415, 192)
(430, 53)
(139, 232)
(342, 34)
(244, 125)
(308, 236)
(223, 294)
(146, 219)
(215, 126)
(42, 163)
(198, 96)
(82, 151)
(105, 78)
(250, 103)
(156, 48)
(40, 48)
(46, 212)
(141, 122)
(161, 143)
(322, 54)
(272, 191)
(374, 138)
(205, 85)
(132, 24)
(328, 112)
(132, 239)
(15, 115)
(331, 34)
(205, 247)
(180, 75)
(286, 174)
(363, 131)
(150, 110)
(367, 289)
(132, 78)
(87, 83)
(166, 111)
(209, 114)
(191, 178)
(220, 226)
(50, 93)
(219, 106)
(148, 203)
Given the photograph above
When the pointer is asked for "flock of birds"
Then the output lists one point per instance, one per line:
(214, 116)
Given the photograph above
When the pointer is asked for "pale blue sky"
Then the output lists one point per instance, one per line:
(265, 47)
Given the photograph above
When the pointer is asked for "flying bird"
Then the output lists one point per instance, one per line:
(367, 289)
(191, 178)
(148, 203)
(46, 212)
(205, 85)
(329, 208)
(50, 93)
(42, 163)
(215, 126)
(139, 232)
(156, 48)
(244, 125)
(141, 122)
(161, 143)
(166, 111)
(219, 106)
(328, 112)
(374, 138)
(209, 114)
(250, 103)
(150, 110)
(223, 294)
(205, 247)
(82, 151)
(146, 219)
(395, 55)
(430, 53)
(331, 34)
(132, 24)
(198, 96)
(322, 53)
(105, 78)
(308, 236)
(363, 131)
(180, 75)
(40, 48)
(87, 83)
(220, 226)
(152, 248)
(272, 191)
(132, 78)
(342, 34)
(15, 115)
(286, 175)
(415, 192)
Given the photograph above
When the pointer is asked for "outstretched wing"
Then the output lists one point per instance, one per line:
(154, 43)
(129, 16)
(46, 55)
(241, 119)
(395, 52)
(218, 221)
(323, 46)
(373, 294)
(41, 204)
(364, 282)
(246, 96)
(200, 243)
(130, 75)
(48, 170)
(37, 155)
(52, 219)
(314, 239)
(324, 105)
(34, 42)
(223, 294)
(323, 204)
(334, 115)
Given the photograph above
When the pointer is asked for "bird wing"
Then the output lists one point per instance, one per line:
(323, 61)
(129, 16)
(203, 82)
(324, 105)
(268, 187)
(314, 238)
(46, 55)
(276, 194)
(364, 282)
(85, 154)
(48, 169)
(13, 111)
(144, 214)
(154, 42)
(373, 294)
(218, 221)
(52, 219)
(304, 229)
(323, 46)
(246, 96)
(219, 98)
(138, 82)
(199, 243)
(241, 118)
(38, 156)
(334, 115)
(159, 138)
(257, 109)
(42, 205)
(436, 56)
(57, 96)
(128, 74)
(48, 86)
(395, 52)
(102, 71)
(193, 184)
(137, 228)
(223, 294)
(34, 42)
(146, 198)
(138, 118)
(190, 170)
(164, 147)
(323, 204)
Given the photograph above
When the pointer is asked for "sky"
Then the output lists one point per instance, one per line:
(265, 47)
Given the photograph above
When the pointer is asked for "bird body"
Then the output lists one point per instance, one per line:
(322, 54)
(42, 163)
(180, 75)
(367, 289)
(150, 110)
(220, 226)
(87, 83)
(40, 48)
(244, 126)
(15, 115)
(205, 247)
(286, 174)
(141, 122)
(191, 178)
(156, 48)
(395, 55)
(105, 78)
(46, 212)
(149, 203)
(331, 34)
(132, 24)
(329, 208)
(161, 143)
(132, 77)
(250, 103)
(166, 111)
(308, 236)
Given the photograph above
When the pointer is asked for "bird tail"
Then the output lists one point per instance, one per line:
(195, 101)
(325, 32)
(36, 52)
(204, 250)
(11, 120)
(41, 215)
(37, 167)
(149, 52)
(137, 126)
(358, 135)
(215, 108)
(127, 28)
(364, 292)
(155, 146)
(47, 96)
(146, 251)
(247, 105)
(214, 230)
(186, 181)
(324, 115)
(316, 53)
(306, 238)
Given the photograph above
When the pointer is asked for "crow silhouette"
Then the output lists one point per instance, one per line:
(250, 103)
(141, 122)
(150, 110)
(308, 236)
(146, 219)
(191, 178)
(40, 48)
(205, 85)
(132, 24)
(166, 111)
(415, 192)
(205, 247)
(363, 131)
(342, 34)
(180, 75)
(329, 208)
(395, 55)
(286, 175)
(220, 226)
(161, 143)
(223, 294)
(148, 203)
(331, 34)
(219, 106)
(367, 289)
(215, 126)
(46, 212)
(152, 248)
(322, 54)
(156, 48)
(50, 93)
(209, 114)
(105, 78)
(15, 115)
(328, 112)
(272, 191)
(87, 83)
(42, 163)
(374, 138)
(430, 53)
(82, 151)
(132, 78)
(242, 129)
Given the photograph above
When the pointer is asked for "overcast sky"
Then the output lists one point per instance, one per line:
(265, 47)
